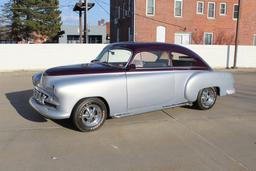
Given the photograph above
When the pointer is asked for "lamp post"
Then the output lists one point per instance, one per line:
(237, 34)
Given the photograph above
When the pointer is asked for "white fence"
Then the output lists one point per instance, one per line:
(42, 56)
(222, 56)
(38, 57)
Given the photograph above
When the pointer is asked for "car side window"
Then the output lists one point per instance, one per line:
(116, 56)
(152, 59)
(183, 60)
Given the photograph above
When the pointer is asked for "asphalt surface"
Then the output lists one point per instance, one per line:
(221, 139)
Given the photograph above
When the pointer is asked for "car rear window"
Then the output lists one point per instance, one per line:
(185, 60)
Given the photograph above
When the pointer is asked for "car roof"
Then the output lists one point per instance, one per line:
(156, 46)
(137, 46)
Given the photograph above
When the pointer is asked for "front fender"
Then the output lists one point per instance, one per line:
(224, 81)
(111, 87)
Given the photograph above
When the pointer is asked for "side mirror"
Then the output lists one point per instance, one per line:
(93, 61)
(132, 67)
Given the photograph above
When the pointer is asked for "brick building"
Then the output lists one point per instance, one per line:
(183, 21)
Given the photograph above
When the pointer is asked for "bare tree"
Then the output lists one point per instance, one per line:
(197, 37)
(224, 38)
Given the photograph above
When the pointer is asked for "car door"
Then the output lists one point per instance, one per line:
(151, 85)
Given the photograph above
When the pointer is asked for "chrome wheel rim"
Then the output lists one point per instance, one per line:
(91, 115)
(208, 98)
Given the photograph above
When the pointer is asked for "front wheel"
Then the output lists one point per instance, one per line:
(206, 98)
(89, 114)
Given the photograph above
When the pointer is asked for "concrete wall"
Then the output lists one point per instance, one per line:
(222, 56)
(38, 57)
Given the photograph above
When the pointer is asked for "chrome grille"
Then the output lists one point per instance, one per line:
(39, 96)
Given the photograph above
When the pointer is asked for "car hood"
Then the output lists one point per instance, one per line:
(93, 68)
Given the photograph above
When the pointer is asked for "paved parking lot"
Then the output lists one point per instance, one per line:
(223, 138)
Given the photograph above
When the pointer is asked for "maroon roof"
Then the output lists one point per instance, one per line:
(156, 46)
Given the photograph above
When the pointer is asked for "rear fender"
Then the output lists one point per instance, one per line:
(198, 81)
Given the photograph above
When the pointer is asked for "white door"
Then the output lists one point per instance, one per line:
(182, 38)
(160, 34)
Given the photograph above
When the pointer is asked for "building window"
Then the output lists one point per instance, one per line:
(73, 39)
(129, 34)
(208, 38)
(150, 7)
(211, 10)
(200, 7)
(223, 9)
(236, 11)
(124, 10)
(117, 35)
(119, 12)
(129, 5)
(95, 39)
(178, 8)
(254, 40)
(182, 38)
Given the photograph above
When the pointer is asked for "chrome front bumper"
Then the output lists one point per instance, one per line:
(46, 111)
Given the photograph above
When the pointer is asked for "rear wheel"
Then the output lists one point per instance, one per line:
(89, 114)
(206, 98)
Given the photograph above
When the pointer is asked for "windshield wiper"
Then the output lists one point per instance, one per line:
(98, 61)
(106, 63)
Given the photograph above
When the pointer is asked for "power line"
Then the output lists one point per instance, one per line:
(160, 21)
(102, 7)
(105, 3)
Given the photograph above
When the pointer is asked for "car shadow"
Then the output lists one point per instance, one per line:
(190, 107)
(20, 102)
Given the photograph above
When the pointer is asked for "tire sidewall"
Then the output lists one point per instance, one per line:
(76, 114)
(199, 102)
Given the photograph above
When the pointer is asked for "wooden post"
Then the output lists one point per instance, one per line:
(80, 26)
(237, 34)
(85, 22)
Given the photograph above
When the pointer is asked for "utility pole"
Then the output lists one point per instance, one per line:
(83, 6)
(80, 25)
(85, 22)
(237, 34)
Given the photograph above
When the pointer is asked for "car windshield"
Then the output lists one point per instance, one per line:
(114, 56)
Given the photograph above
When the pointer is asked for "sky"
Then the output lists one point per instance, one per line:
(69, 17)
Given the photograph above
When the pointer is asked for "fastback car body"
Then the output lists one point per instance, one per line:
(127, 79)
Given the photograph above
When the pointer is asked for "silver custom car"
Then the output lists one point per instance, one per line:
(128, 79)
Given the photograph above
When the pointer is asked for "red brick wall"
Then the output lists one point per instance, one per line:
(248, 21)
(222, 26)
